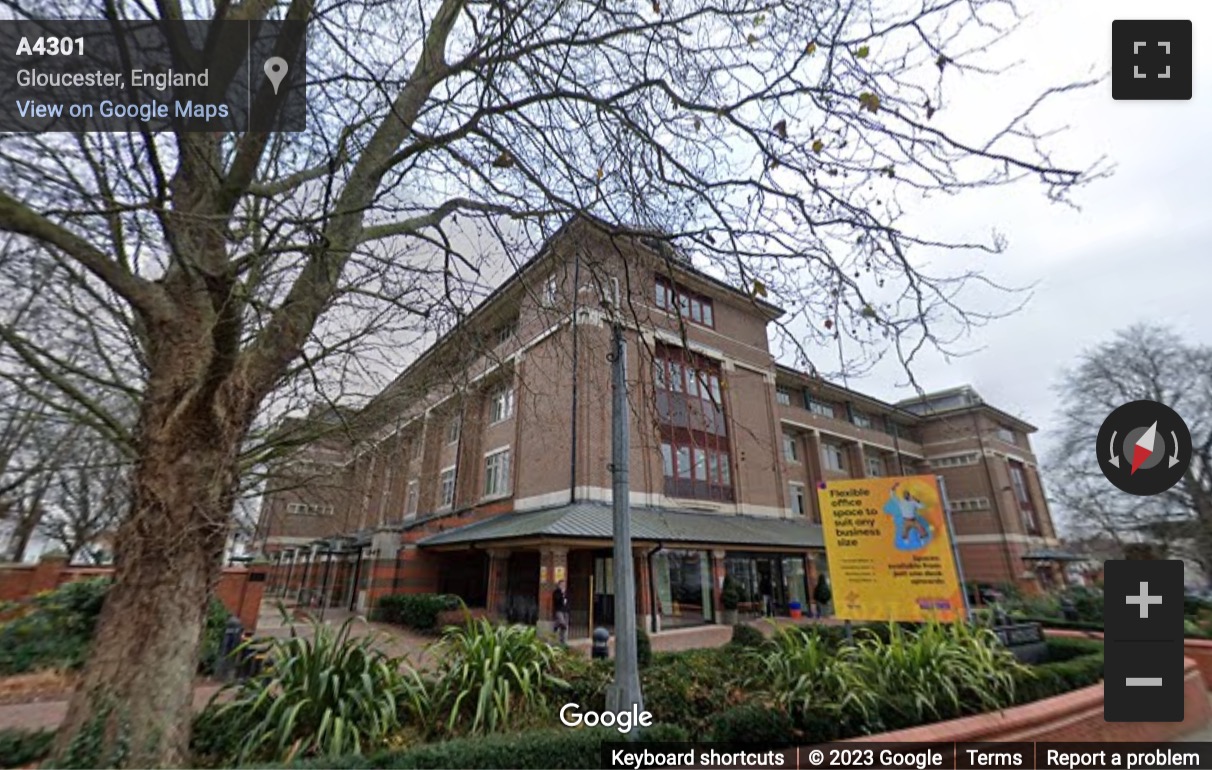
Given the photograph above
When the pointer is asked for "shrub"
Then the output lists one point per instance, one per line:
(730, 594)
(56, 629)
(688, 688)
(22, 747)
(581, 680)
(531, 749)
(744, 635)
(1072, 664)
(643, 648)
(215, 625)
(1087, 602)
(815, 683)
(326, 695)
(416, 611)
(937, 672)
(761, 723)
(492, 677)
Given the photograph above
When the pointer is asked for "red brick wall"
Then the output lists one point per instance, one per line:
(238, 589)
(1075, 716)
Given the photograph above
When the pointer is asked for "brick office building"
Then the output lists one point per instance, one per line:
(483, 469)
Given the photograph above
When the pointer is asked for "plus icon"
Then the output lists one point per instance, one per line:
(1151, 59)
(1144, 600)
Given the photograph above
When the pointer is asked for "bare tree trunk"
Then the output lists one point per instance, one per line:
(23, 530)
(168, 556)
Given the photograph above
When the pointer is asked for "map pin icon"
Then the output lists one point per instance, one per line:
(275, 70)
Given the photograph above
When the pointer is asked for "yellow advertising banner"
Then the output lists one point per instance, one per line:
(889, 550)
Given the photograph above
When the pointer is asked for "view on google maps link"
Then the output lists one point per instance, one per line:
(580, 384)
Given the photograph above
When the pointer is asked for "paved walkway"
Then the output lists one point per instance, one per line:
(47, 715)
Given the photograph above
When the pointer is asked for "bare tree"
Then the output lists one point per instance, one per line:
(1140, 362)
(776, 144)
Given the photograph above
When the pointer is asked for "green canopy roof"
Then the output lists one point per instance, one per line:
(593, 521)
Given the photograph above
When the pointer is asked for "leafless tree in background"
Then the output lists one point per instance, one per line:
(775, 143)
(1140, 362)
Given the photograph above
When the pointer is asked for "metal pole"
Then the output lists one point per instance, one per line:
(959, 567)
(625, 692)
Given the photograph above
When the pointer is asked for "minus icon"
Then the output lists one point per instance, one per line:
(1143, 681)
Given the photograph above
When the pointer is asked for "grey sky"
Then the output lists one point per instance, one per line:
(1138, 249)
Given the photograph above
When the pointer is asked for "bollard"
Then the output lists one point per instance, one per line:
(226, 664)
(601, 644)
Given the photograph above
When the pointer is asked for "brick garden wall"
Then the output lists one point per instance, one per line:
(240, 589)
(1076, 716)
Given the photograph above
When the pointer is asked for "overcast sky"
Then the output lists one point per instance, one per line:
(1139, 248)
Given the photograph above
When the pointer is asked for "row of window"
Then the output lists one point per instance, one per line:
(955, 461)
(496, 481)
(305, 509)
(500, 408)
(785, 397)
(689, 304)
(833, 457)
(970, 504)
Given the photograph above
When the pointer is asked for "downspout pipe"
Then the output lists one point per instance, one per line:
(576, 305)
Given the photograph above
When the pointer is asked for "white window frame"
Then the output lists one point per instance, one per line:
(447, 501)
(551, 290)
(412, 499)
(782, 396)
(497, 481)
(454, 429)
(875, 466)
(791, 450)
(956, 461)
(1005, 434)
(862, 419)
(796, 492)
(969, 504)
(501, 406)
(833, 457)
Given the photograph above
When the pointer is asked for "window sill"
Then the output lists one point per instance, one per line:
(494, 497)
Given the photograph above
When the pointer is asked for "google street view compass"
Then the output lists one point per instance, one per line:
(1144, 448)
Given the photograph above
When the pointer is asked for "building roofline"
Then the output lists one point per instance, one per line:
(483, 307)
(980, 404)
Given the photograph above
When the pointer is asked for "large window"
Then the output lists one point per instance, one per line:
(1005, 434)
(783, 396)
(501, 406)
(690, 305)
(446, 488)
(875, 466)
(796, 492)
(861, 419)
(453, 426)
(496, 473)
(1018, 480)
(683, 587)
(833, 457)
(791, 451)
(695, 451)
(507, 331)
(697, 472)
(411, 499)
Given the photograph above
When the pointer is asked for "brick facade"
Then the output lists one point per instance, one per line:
(526, 338)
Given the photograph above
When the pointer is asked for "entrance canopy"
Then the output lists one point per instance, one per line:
(593, 521)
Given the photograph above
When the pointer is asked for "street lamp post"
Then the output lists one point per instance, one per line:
(625, 692)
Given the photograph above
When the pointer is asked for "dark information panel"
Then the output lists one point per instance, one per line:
(151, 75)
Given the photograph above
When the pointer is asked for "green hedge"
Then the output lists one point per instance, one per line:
(24, 747)
(744, 635)
(1074, 625)
(1072, 665)
(416, 611)
(554, 748)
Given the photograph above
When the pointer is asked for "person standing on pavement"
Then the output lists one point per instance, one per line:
(559, 605)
